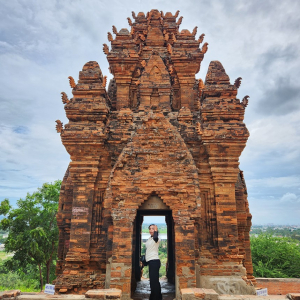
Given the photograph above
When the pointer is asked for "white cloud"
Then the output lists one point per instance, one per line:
(290, 197)
(42, 43)
(274, 182)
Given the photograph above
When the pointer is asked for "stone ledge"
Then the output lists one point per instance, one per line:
(104, 294)
(198, 293)
(293, 296)
(50, 297)
(9, 294)
(252, 297)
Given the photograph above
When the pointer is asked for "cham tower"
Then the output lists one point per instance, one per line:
(159, 141)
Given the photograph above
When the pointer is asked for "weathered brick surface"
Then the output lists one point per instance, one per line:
(279, 286)
(161, 132)
(9, 294)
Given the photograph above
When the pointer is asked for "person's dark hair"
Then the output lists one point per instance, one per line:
(152, 225)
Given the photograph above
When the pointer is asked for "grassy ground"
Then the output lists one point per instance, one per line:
(4, 255)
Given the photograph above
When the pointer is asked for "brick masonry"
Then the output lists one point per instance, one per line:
(279, 286)
(157, 132)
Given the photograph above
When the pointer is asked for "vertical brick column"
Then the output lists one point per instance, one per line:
(187, 93)
(123, 85)
(223, 161)
(145, 98)
(226, 217)
(83, 176)
(184, 253)
(122, 255)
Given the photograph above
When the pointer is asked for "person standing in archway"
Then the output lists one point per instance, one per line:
(153, 261)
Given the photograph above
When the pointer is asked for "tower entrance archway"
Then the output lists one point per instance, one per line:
(154, 206)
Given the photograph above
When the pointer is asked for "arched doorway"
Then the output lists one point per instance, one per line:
(153, 206)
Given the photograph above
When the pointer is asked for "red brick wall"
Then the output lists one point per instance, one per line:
(279, 286)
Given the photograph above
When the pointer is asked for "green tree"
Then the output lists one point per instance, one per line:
(33, 232)
(274, 256)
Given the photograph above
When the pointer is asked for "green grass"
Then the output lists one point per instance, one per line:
(22, 288)
(13, 281)
(4, 255)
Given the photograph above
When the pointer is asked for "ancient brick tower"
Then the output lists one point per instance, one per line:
(158, 142)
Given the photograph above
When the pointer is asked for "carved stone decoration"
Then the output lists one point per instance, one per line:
(238, 82)
(179, 21)
(199, 128)
(204, 48)
(166, 36)
(104, 81)
(129, 21)
(110, 37)
(201, 84)
(72, 82)
(105, 49)
(174, 37)
(229, 286)
(194, 31)
(201, 38)
(59, 126)
(159, 141)
(64, 98)
(132, 31)
(245, 101)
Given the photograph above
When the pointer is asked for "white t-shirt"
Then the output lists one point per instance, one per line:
(152, 249)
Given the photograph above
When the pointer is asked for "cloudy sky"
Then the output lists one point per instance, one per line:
(44, 42)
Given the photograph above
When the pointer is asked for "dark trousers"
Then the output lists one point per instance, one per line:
(154, 266)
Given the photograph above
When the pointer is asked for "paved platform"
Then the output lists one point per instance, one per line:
(252, 297)
(142, 291)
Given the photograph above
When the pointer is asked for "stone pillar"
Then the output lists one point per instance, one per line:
(83, 177)
(164, 99)
(185, 275)
(121, 263)
(187, 92)
(123, 85)
(223, 160)
(145, 98)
